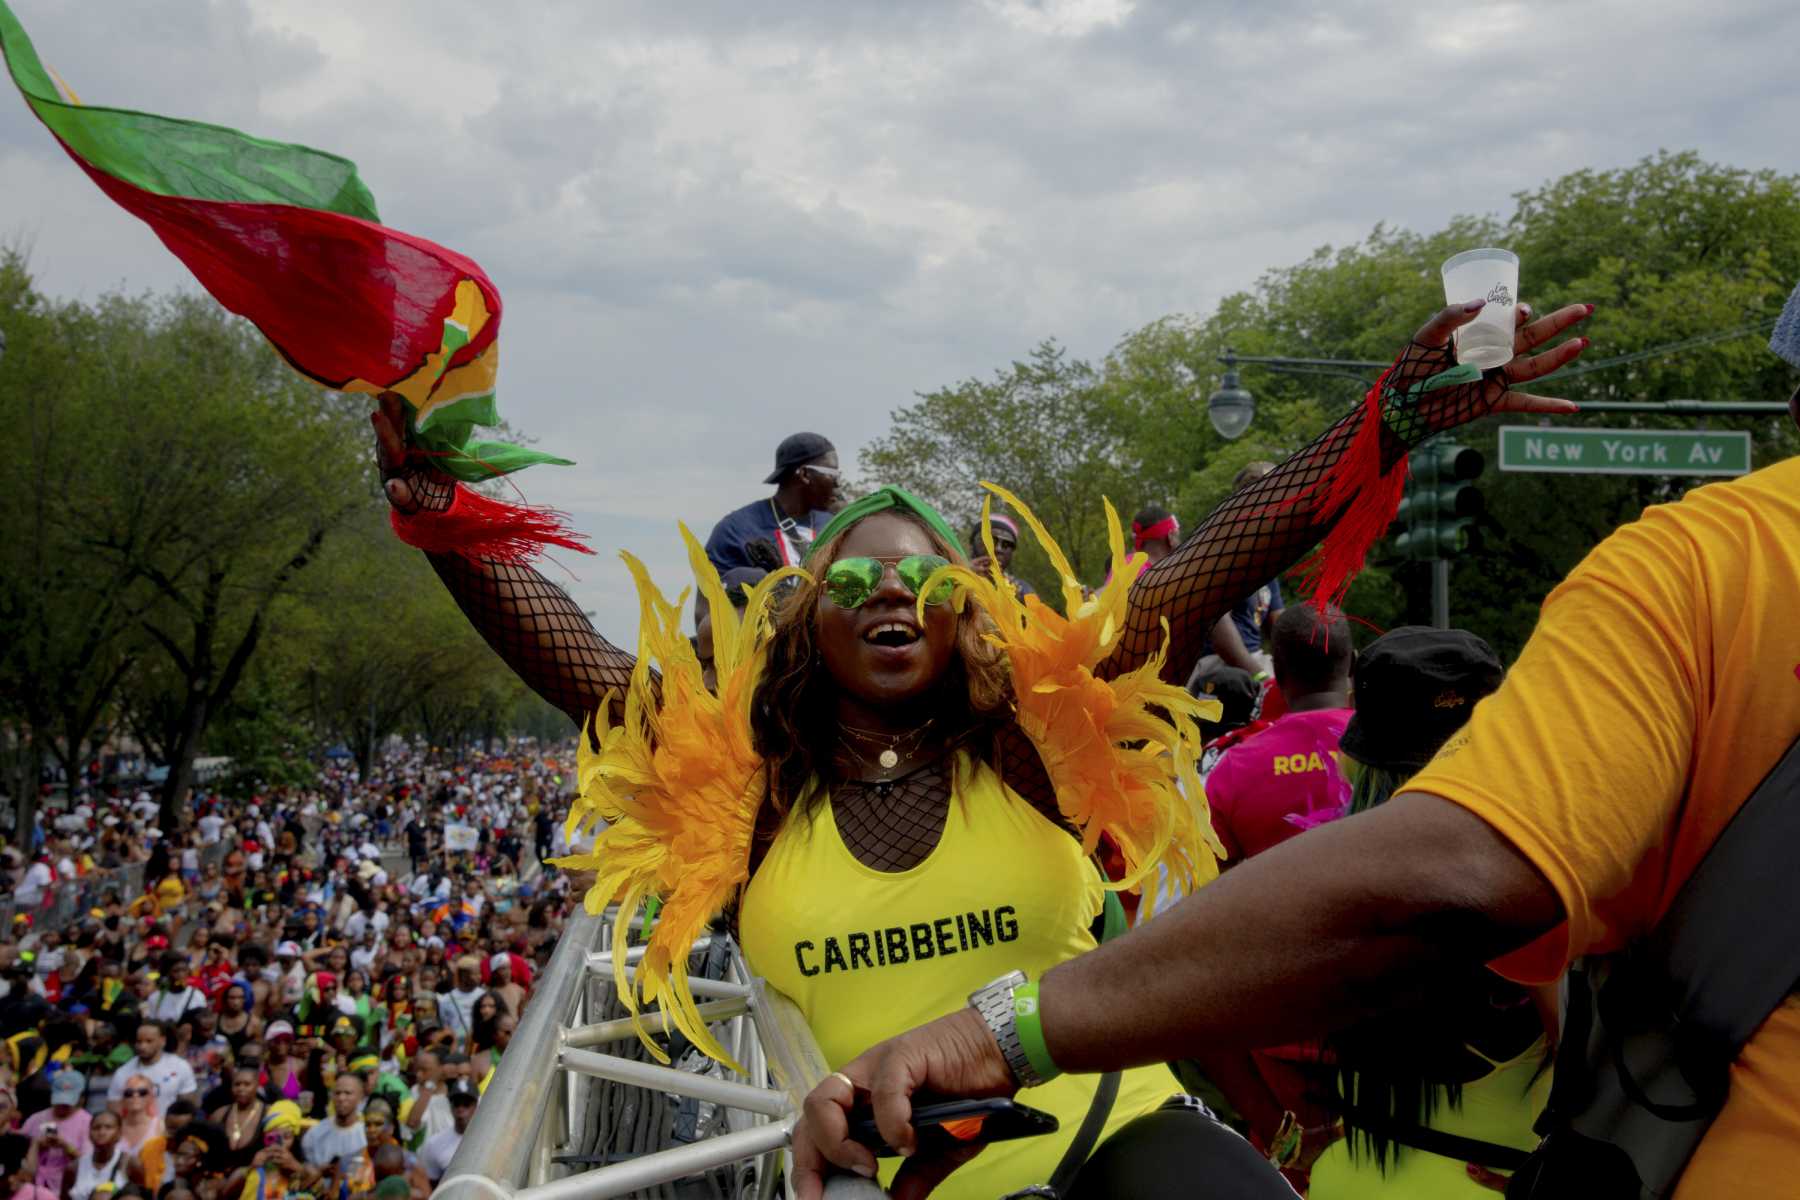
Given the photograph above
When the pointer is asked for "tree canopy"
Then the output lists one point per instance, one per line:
(1672, 251)
(197, 554)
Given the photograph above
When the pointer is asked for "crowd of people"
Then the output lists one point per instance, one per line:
(306, 995)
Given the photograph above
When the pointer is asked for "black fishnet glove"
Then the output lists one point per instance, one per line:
(1265, 527)
(531, 623)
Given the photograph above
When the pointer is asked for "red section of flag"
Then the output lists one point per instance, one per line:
(337, 295)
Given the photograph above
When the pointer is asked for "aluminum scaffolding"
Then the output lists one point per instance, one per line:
(577, 1110)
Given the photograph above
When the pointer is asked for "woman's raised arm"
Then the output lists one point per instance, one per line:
(1264, 527)
(532, 624)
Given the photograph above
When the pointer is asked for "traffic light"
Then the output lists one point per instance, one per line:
(1437, 511)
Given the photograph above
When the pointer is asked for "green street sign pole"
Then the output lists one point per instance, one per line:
(1678, 452)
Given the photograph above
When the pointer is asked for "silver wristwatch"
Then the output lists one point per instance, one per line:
(994, 1002)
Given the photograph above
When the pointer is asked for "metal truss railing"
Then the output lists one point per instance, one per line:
(577, 1110)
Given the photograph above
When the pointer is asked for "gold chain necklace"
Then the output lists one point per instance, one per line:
(236, 1130)
(889, 758)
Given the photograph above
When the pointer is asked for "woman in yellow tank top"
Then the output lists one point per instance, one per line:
(926, 784)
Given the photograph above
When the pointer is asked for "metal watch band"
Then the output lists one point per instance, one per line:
(995, 1004)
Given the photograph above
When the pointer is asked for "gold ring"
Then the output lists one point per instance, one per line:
(848, 1082)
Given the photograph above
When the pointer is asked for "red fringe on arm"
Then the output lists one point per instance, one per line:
(476, 526)
(1365, 501)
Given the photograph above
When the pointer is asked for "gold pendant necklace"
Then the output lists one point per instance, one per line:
(889, 756)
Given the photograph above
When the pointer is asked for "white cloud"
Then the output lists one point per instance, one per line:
(714, 223)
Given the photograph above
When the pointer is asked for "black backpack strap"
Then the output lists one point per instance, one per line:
(1651, 1032)
(1727, 984)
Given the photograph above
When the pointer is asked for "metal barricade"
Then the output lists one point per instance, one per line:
(577, 1111)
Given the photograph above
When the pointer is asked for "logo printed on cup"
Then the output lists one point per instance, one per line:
(1500, 295)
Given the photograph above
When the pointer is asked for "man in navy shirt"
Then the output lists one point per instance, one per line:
(806, 477)
(1237, 638)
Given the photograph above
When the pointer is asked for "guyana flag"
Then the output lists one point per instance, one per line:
(289, 237)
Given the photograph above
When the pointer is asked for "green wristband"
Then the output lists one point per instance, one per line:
(1031, 1031)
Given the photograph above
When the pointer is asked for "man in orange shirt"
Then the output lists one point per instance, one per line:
(1660, 688)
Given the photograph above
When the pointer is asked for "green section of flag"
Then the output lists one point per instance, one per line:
(453, 452)
(466, 413)
(184, 158)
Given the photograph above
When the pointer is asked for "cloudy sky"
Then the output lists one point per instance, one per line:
(715, 223)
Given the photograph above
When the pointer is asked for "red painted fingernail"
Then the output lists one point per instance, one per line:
(1473, 305)
(1590, 309)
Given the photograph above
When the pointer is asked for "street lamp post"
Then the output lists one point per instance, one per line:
(1232, 407)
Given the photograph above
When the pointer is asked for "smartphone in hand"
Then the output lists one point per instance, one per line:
(954, 1123)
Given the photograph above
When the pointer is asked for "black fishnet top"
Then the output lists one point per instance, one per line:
(1253, 536)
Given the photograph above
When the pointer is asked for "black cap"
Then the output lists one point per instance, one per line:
(738, 581)
(797, 450)
(460, 1092)
(1232, 687)
(1414, 687)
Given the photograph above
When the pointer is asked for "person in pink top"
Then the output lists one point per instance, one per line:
(60, 1132)
(1265, 788)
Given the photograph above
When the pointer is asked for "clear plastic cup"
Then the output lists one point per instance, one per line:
(1487, 274)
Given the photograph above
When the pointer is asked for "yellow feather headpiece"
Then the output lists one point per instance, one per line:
(1122, 753)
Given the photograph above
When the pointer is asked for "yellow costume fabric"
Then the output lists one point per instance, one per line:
(867, 953)
(1499, 1108)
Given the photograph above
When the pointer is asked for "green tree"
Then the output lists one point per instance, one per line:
(1672, 249)
(233, 473)
(1043, 428)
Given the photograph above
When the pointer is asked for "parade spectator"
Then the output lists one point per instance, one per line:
(242, 1118)
(429, 1113)
(500, 982)
(170, 1076)
(1265, 787)
(335, 1142)
(275, 1169)
(104, 1162)
(735, 583)
(441, 1147)
(59, 1134)
(1237, 637)
(1466, 1057)
(1155, 532)
(140, 1113)
(174, 996)
(1005, 530)
(458, 1012)
(806, 476)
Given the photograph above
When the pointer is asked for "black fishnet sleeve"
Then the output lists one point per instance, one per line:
(532, 624)
(1268, 525)
(539, 632)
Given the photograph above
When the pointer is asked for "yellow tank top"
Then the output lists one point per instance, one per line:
(867, 954)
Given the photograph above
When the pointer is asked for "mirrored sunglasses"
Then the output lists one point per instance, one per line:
(849, 582)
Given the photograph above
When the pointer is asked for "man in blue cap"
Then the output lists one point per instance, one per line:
(806, 479)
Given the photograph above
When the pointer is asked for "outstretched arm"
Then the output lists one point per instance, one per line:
(1262, 529)
(531, 623)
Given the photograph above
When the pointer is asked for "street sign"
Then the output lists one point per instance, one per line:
(1623, 451)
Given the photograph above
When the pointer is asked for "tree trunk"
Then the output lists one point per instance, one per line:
(25, 799)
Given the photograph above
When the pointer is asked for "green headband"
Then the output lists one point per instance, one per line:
(884, 498)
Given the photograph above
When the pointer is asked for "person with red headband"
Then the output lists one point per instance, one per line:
(1155, 532)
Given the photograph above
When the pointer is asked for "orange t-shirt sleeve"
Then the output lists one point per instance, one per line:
(1581, 758)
